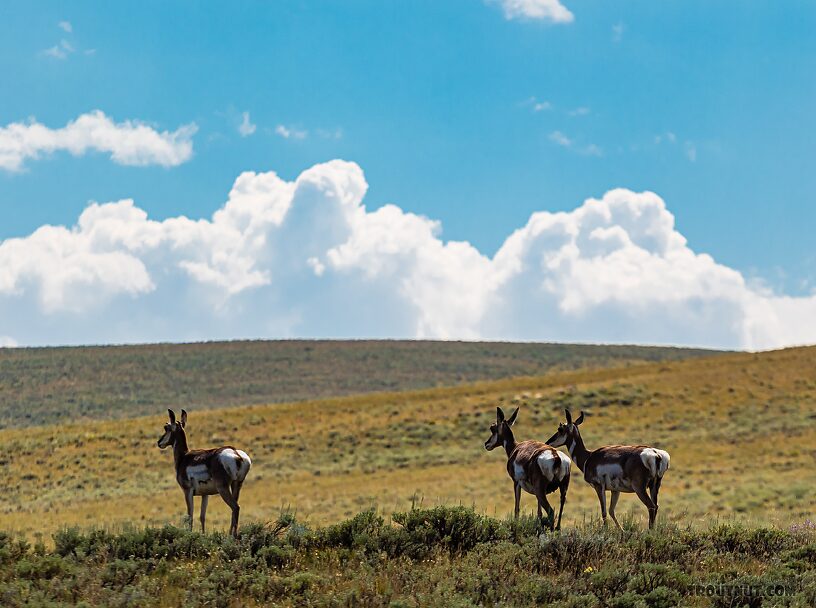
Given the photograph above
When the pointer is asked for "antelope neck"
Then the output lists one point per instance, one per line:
(577, 450)
(179, 447)
(509, 443)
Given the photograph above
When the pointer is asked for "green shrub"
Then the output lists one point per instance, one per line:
(666, 544)
(456, 529)
(579, 601)
(648, 577)
(627, 600)
(46, 567)
(574, 551)
(609, 581)
(12, 549)
(662, 597)
(801, 559)
(120, 573)
(361, 532)
(759, 542)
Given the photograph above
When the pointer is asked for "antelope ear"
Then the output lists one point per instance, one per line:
(172, 415)
(569, 416)
(183, 418)
(499, 414)
(512, 420)
(580, 418)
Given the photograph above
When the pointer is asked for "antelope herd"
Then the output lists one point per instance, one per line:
(538, 468)
(535, 467)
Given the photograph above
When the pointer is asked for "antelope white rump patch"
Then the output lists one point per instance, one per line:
(657, 461)
(551, 468)
(246, 463)
(236, 463)
(566, 465)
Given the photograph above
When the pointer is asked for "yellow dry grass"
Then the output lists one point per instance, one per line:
(740, 429)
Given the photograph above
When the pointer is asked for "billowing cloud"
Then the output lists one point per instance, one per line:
(543, 10)
(307, 258)
(128, 143)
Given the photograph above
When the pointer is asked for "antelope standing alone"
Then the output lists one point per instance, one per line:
(533, 466)
(617, 468)
(205, 472)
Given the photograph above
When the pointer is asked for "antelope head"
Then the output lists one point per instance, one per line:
(500, 430)
(172, 429)
(566, 431)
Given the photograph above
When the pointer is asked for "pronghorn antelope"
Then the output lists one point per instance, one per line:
(533, 466)
(617, 468)
(205, 472)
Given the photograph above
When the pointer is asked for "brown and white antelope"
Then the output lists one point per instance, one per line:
(533, 466)
(205, 472)
(617, 468)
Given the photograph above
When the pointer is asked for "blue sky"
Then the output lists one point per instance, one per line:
(454, 110)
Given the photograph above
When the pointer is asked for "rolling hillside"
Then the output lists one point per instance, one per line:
(51, 385)
(740, 428)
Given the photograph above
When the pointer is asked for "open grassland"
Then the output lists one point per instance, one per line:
(445, 556)
(741, 429)
(51, 385)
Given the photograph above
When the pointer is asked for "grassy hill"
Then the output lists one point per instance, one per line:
(51, 385)
(740, 428)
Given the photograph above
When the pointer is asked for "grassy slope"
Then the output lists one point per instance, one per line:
(740, 429)
(51, 385)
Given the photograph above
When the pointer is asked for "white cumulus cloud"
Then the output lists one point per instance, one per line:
(129, 142)
(544, 10)
(307, 258)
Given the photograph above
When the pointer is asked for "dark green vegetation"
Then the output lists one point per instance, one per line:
(53, 385)
(445, 556)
